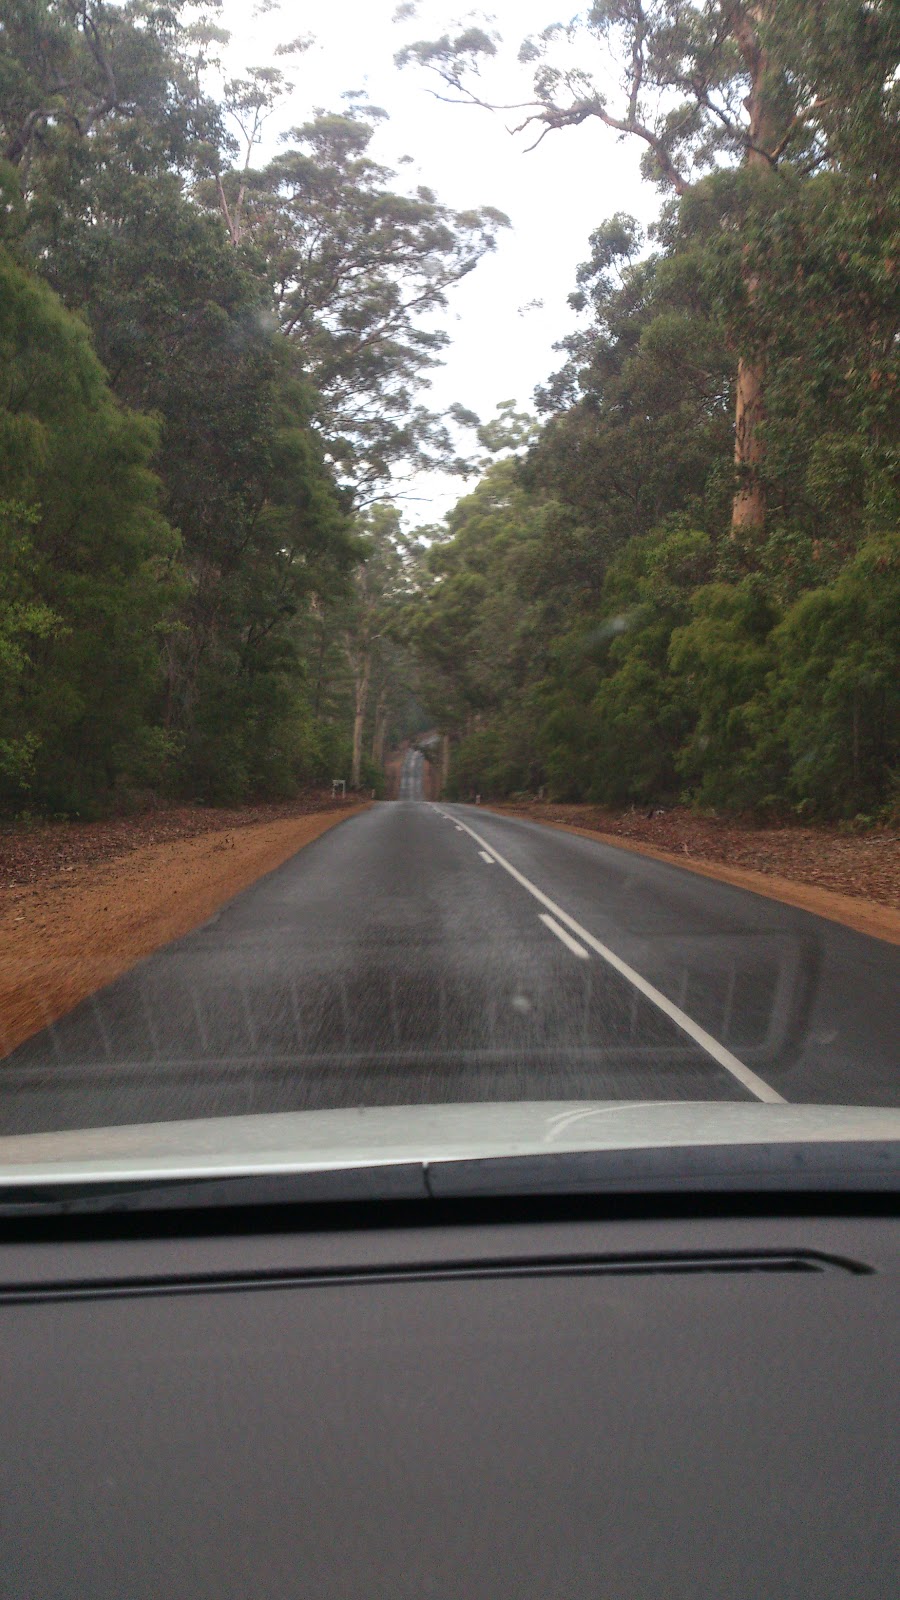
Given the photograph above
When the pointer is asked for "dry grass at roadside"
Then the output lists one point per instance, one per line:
(81, 904)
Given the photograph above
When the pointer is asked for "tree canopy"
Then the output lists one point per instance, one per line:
(658, 649)
(677, 581)
(769, 97)
(212, 363)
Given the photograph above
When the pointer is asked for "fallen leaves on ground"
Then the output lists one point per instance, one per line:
(33, 851)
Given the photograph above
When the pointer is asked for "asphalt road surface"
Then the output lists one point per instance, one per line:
(421, 952)
(412, 776)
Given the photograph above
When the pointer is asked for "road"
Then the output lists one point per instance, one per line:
(412, 776)
(421, 952)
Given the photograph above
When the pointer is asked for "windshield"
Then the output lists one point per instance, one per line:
(449, 557)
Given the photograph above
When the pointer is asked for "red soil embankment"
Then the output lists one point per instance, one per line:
(82, 902)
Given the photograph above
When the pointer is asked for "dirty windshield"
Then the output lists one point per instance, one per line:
(449, 556)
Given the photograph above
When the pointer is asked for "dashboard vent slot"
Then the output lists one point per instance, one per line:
(669, 1264)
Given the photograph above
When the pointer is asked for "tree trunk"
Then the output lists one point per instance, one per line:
(232, 218)
(748, 512)
(749, 507)
(361, 697)
(445, 761)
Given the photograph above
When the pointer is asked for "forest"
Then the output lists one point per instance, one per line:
(678, 580)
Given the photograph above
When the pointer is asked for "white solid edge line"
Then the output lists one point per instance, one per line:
(756, 1085)
(485, 857)
(570, 943)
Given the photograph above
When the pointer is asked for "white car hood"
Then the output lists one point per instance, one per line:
(330, 1141)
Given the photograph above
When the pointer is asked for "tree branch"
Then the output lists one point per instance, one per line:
(637, 63)
(20, 141)
(83, 122)
(223, 206)
(571, 116)
(797, 122)
(95, 45)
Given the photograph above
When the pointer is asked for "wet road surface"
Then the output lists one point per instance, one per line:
(422, 952)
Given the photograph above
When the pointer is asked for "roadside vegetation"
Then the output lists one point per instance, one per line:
(211, 363)
(687, 586)
(678, 582)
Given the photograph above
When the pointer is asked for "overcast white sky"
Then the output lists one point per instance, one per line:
(554, 196)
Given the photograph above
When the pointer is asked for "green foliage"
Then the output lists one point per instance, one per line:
(89, 566)
(721, 661)
(738, 693)
(69, 70)
(497, 759)
(637, 713)
(206, 363)
(353, 266)
(24, 620)
(641, 414)
(262, 333)
(658, 653)
(837, 689)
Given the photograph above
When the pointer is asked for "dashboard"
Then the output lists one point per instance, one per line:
(610, 1400)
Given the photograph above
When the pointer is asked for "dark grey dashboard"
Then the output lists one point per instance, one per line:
(560, 1406)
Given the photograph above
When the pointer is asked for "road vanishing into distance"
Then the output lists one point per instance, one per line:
(412, 776)
(423, 952)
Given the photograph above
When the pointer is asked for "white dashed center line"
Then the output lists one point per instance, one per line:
(719, 1052)
(485, 857)
(570, 943)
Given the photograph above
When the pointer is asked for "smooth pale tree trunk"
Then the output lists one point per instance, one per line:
(361, 697)
(748, 512)
(749, 506)
(233, 217)
(445, 761)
